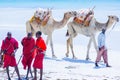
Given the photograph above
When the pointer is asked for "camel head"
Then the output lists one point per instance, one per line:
(112, 21)
(113, 18)
(69, 14)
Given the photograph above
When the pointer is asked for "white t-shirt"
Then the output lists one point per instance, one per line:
(101, 40)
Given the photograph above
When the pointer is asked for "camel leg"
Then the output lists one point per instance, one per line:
(51, 45)
(68, 44)
(47, 40)
(29, 28)
(72, 34)
(88, 49)
(95, 44)
(71, 46)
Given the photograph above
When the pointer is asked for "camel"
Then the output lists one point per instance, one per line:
(49, 27)
(89, 31)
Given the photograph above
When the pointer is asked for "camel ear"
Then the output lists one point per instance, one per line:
(108, 16)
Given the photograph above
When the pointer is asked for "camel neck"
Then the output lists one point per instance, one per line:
(107, 24)
(62, 23)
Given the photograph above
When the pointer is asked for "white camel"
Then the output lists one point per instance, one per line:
(89, 31)
(49, 27)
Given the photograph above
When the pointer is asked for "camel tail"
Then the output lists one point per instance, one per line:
(67, 34)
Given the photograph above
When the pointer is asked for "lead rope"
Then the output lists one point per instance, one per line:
(110, 32)
(112, 29)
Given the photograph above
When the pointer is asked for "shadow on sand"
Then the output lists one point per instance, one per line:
(77, 60)
(49, 58)
(70, 60)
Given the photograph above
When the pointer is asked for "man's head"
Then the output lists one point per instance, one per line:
(29, 35)
(103, 31)
(38, 34)
(9, 35)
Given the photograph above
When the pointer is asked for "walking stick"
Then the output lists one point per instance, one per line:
(17, 65)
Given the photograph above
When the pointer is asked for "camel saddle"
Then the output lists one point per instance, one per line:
(39, 21)
(84, 22)
(44, 22)
(84, 17)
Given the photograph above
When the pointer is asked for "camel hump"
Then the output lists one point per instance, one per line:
(36, 19)
(77, 20)
(39, 21)
(84, 17)
(41, 16)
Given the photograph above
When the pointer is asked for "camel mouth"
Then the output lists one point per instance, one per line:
(117, 19)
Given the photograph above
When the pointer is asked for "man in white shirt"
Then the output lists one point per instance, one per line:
(102, 49)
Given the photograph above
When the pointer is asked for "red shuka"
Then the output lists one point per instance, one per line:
(9, 45)
(41, 47)
(28, 52)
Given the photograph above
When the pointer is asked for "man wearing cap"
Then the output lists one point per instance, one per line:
(9, 48)
(40, 50)
(28, 44)
(102, 49)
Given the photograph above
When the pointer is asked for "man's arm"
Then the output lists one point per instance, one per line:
(15, 48)
(13, 54)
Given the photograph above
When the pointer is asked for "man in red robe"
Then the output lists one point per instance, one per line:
(9, 48)
(40, 50)
(28, 44)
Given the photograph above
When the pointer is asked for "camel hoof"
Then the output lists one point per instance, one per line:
(88, 59)
(67, 55)
(74, 57)
(53, 56)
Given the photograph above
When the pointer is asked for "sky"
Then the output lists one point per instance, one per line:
(57, 3)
